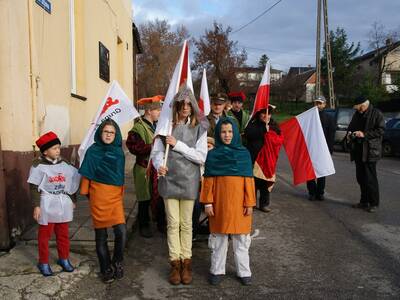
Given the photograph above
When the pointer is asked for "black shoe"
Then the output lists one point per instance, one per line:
(372, 209)
(320, 198)
(118, 270)
(311, 197)
(360, 205)
(245, 280)
(265, 209)
(214, 279)
(146, 231)
(108, 276)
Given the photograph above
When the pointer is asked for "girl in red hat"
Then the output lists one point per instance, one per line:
(52, 181)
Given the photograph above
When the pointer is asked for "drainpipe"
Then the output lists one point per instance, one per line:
(32, 74)
(72, 38)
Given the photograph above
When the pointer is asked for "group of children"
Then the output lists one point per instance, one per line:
(54, 183)
(223, 175)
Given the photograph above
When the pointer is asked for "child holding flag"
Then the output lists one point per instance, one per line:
(179, 179)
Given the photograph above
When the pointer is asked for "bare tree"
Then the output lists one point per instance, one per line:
(382, 40)
(161, 49)
(220, 56)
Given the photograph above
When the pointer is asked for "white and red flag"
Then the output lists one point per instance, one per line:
(204, 101)
(182, 75)
(306, 147)
(262, 97)
(116, 105)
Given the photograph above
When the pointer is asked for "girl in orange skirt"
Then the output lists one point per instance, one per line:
(102, 182)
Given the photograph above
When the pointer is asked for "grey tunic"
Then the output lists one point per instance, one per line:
(183, 177)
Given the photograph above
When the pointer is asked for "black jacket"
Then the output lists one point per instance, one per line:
(371, 144)
(329, 127)
(254, 135)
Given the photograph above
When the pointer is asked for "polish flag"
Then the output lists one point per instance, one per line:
(182, 75)
(116, 105)
(262, 97)
(306, 147)
(204, 101)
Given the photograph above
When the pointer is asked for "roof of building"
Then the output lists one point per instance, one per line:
(378, 52)
(256, 70)
(299, 70)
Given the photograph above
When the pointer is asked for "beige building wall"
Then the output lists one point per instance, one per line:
(33, 40)
(38, 77)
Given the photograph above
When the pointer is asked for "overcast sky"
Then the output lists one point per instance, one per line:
(286, 33)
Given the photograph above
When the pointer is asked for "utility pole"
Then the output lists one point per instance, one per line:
(332, 101)
(318, 53)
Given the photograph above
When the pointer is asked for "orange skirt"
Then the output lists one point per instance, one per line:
(106, 203)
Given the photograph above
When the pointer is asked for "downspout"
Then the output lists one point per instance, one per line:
(72, 38)
(32, 75)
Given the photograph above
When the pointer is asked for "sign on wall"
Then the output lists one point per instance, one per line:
(45, 4)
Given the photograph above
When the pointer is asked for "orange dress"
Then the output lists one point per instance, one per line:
(106, 203)
(229, 195)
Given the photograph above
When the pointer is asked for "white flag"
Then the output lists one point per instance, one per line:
(204, 101)
(182, 75)
(116, 105)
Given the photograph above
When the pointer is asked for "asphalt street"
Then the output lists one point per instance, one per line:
(301, 250)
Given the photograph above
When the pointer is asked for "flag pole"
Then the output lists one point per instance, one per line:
(167, 146)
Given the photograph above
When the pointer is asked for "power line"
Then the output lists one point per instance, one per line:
(277, 51)
(259, 16)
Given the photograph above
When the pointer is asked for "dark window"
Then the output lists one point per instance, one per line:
(104, 63)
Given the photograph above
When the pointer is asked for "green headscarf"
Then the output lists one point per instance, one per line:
(105, 163)
(228, 160)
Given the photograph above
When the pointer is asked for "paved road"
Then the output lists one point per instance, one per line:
(302, 249)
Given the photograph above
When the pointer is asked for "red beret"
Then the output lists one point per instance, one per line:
(47, 141)
(237, 96)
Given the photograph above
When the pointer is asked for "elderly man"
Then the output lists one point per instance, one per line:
(365, 133)
(316, 188)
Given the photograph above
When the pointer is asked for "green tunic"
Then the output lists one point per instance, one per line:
(245, 120)
(142, 183)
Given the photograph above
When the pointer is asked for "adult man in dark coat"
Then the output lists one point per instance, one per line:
(316, 188)
(365, 132)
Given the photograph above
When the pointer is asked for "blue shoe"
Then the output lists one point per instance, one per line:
(45, 269)
(65, 265)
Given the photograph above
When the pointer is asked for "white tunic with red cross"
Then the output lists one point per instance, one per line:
(55, 183)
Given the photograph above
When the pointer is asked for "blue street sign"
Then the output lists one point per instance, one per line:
(45, 4)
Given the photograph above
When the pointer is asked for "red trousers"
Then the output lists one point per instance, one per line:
(62, 238)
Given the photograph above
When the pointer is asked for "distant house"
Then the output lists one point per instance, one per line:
(249, 78)
(299, 84)
(382, 63)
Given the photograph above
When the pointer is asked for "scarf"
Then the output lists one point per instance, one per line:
(105, 163)
(228, 160)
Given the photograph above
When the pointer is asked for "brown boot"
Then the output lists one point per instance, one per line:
(186, 274)
(175, 275)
